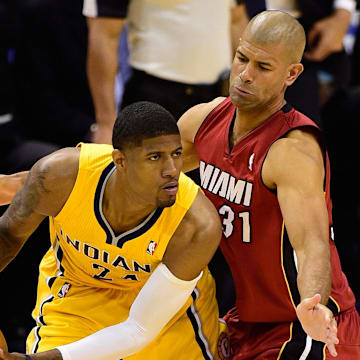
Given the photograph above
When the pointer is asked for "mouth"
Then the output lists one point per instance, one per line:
(242, 91)
(171, 187)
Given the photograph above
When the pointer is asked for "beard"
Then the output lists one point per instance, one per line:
(166, 203)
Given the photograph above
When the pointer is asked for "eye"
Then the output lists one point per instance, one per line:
(264, 68)
(177, 153)
(154, 157)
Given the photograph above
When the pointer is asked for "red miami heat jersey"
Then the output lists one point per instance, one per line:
(255, 242)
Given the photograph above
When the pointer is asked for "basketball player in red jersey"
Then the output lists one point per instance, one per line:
(264, 167)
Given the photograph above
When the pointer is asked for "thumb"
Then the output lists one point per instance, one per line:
(310, 303)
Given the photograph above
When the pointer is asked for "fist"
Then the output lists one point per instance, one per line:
(3, 344)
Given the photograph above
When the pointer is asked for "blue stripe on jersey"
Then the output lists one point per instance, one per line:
(121, 239)
(195, 320)
(97, 201)
(40, 320)
(143, 229)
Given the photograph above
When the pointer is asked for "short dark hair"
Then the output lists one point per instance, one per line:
(142, 120)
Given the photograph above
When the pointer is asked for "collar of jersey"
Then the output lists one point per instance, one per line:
(111, 237)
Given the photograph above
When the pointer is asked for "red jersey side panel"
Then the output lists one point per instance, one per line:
(255, 242)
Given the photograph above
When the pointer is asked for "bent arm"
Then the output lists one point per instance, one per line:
(102, 63)
(9, 185)
(45, 191)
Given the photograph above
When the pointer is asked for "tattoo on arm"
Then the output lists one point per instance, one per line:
(20, 219)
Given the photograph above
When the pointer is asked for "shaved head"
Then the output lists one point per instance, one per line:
(277, 27)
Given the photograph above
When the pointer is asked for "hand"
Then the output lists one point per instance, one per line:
(318, 322)
(326, 36)
(4, 355)
(101, 133)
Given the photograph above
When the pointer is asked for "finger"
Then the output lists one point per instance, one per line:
(310, 303)
(332, 350)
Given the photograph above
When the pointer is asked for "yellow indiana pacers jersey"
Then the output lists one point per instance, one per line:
(90, 276)
(86, 248)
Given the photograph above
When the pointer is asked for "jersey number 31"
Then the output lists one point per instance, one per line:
(228, 218)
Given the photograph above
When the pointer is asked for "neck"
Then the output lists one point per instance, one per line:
(122, 209)
(247, 120)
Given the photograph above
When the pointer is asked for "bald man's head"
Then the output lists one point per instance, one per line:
(277, 27)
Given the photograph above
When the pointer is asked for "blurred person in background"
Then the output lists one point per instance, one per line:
(164, 53)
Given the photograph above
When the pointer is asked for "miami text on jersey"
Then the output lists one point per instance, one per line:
(221, 183)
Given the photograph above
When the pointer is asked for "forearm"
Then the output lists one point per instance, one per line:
(239, 20)
(54, 354)
(9, 247)
(159, 300)
(101, 71)
(314, 272)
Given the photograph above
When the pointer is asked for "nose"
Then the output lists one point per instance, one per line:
(247, 74)
(169, 169)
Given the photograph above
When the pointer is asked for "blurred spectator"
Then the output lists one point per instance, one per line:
(178, 59)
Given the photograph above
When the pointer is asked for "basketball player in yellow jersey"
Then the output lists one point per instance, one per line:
(131, 236)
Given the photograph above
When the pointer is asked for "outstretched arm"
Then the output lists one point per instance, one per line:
(10, 184)
(294, 167)
(162, 296)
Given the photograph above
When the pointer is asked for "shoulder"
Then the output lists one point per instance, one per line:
(61, 164)
(290, 156)
(190, 122)
(52, 178)
(202, 218)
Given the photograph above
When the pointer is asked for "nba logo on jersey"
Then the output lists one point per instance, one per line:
(251, 161)
(151, 248)
(64, 290)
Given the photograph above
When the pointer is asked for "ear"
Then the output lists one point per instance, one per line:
(119, 159)
(294, 70)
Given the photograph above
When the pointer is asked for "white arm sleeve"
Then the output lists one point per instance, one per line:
(159, 300)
